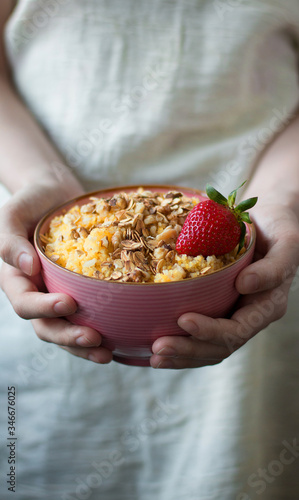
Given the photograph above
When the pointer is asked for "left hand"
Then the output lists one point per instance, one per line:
(264, 287)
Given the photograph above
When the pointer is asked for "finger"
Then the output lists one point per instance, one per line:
(188, 347)
(257, 313)
(63, 333)
(15, 248)
(179, 363)
(28, 302)
(206, 329)
(279, 264)
(95, 354)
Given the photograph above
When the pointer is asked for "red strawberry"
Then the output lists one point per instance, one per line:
(215, 226)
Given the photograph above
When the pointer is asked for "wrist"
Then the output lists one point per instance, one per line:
(268, 193)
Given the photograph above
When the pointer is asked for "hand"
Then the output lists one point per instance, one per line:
(21, 280)
(264, 286)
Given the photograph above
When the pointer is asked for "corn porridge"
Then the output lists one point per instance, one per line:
(129, 237)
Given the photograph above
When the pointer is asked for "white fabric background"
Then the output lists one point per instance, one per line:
(173, 92)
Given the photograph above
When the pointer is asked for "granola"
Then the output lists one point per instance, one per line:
(129, 237)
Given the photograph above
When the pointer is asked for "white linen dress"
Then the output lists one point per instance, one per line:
(160, 91)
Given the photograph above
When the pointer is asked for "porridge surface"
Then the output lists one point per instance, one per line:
(129, 237)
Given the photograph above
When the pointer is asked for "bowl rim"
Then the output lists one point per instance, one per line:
(250, 229)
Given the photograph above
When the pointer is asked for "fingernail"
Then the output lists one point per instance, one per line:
(85, 342)
(167, 351)
(26, 263)
(93, 358)
(189, 326)
(251, 283)
(166, 363)
(62, 308)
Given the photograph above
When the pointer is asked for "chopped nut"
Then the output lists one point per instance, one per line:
(74, 234)
(116, 238)
(177, 228)
(116, 275)
(118, 264)
(168, 234)
(83, 232)
(112, 202)
(98, 274)
(105, 242)
(173, 194)
(121, 201)
(160, 252)
(165, 202)
(176, 200)
(153, 230)
(54, 258)
(150, 219)
(139, 208)
(88, 209)
(205, 270)
(136, 276)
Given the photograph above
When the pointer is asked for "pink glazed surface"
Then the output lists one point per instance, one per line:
(131, 316)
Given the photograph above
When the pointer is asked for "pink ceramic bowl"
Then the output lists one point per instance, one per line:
(131, 316)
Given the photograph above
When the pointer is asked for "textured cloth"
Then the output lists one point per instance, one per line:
(179, 92)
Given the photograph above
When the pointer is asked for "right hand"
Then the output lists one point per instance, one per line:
(21, 280)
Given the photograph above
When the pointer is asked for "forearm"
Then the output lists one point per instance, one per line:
(276, 176)
(27, 155)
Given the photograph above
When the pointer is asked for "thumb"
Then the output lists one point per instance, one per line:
(278, 265)
(15, 249)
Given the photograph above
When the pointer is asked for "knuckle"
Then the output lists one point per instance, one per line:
(5, 248)
(66, 337)
(40, 331)
(19, 309)
(213, 330)
(279, 275)
(280, 311)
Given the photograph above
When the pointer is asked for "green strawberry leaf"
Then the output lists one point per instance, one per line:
(231, 198)
(242, 237)
(244, 216)
(233, 194)
(246, 205)
(214, 195)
